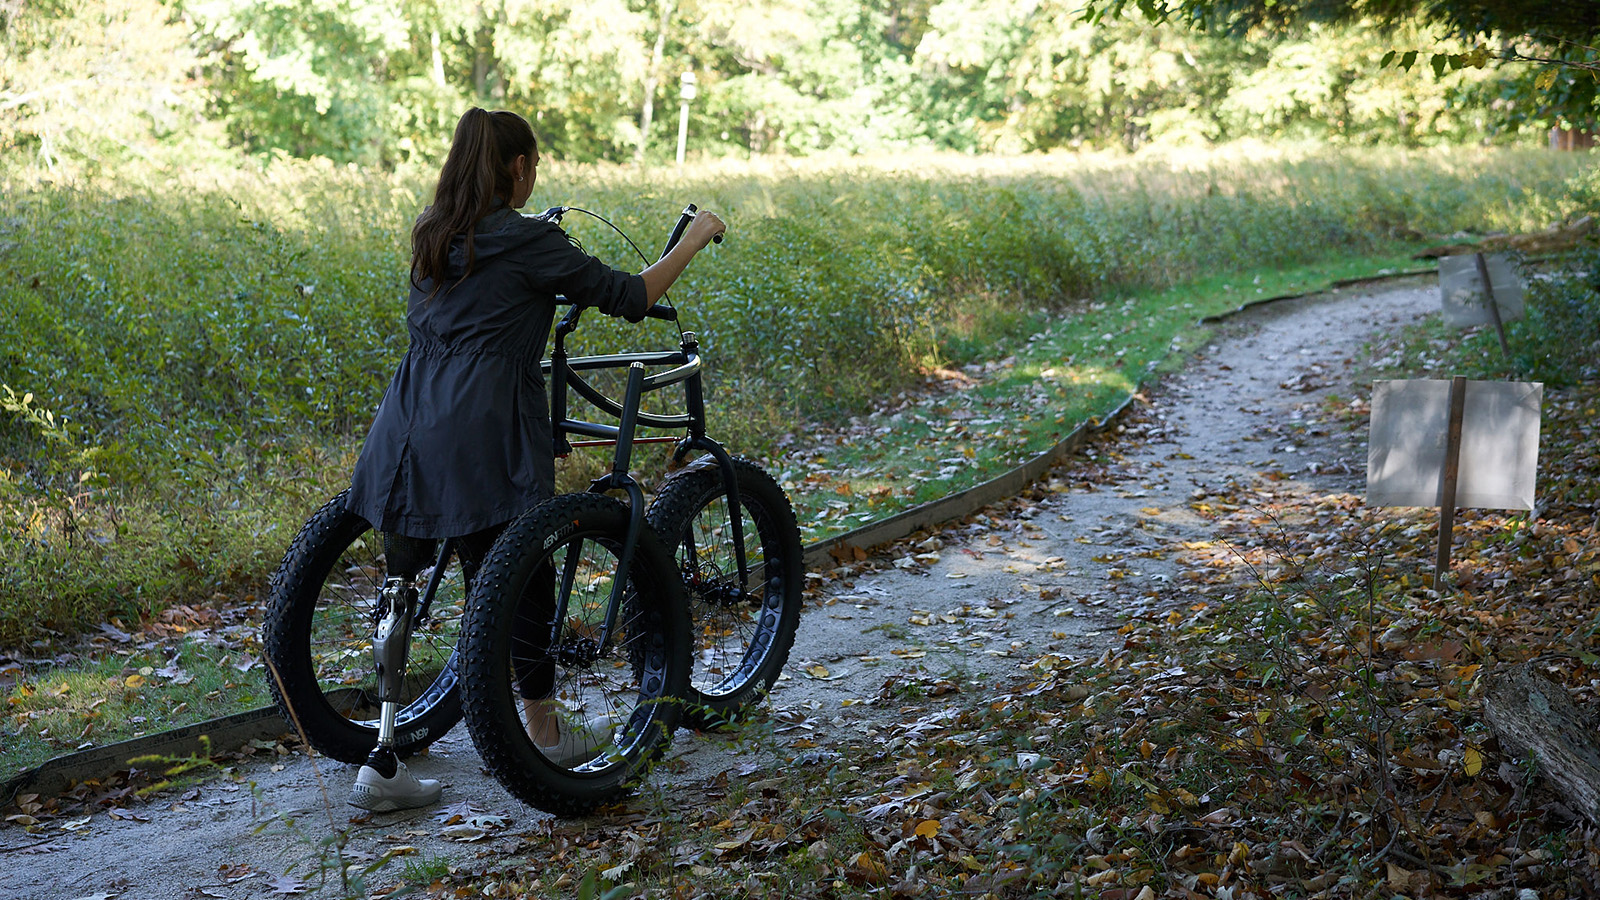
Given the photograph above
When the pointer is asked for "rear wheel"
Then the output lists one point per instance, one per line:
(322, 610)
(743, 628)
(614, 699)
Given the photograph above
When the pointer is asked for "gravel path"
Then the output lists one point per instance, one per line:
(966, 608)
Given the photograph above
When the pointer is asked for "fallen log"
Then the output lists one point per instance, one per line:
(1533, 715)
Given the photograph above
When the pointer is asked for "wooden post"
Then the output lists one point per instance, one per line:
(1452, 468)
(1494, 307)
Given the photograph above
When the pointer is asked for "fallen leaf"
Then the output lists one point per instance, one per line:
(285, 884)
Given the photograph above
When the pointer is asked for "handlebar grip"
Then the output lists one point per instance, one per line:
(677, 230)
(663, 312)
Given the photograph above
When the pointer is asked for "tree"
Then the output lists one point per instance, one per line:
(1552, 36)
(1555, 32)
(91, 78)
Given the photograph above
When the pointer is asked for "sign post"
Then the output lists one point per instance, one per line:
(1491, 304)
(1478, 289)
(1452, 473)
(1452, 445)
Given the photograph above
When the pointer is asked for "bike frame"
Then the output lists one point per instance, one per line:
(565, 373)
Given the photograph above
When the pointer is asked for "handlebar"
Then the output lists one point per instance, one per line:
(660, 310)
(683, 225)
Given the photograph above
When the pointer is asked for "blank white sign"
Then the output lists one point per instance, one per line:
(1461, 295)
(1499, 444)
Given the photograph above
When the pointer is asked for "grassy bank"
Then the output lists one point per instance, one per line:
(192, 356)
(194, 662)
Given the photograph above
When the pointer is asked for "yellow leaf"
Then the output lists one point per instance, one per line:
(927, 828)
(1473, 761)
(1101, 878)
(869, 867)
(135, 681)
(817, 671)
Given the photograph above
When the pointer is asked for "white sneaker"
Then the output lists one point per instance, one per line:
(580, 742)
(374, 792)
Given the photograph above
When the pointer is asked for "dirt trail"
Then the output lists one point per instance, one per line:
(964, 610)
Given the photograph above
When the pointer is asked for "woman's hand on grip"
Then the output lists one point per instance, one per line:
(706, 226)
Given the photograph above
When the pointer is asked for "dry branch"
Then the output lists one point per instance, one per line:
(1532, 714)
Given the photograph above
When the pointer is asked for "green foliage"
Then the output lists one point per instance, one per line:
(86, 81)
(211, 347)
(1558, 341)
(1558, 39)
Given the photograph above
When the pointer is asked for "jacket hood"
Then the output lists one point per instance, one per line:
(496, 233)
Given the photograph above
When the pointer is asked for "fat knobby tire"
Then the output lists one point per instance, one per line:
(763, 619)
(652, 667)
(293, 595)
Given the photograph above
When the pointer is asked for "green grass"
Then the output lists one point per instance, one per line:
(1065, 374)
(37, 704)
(204, 348)
(122, 694)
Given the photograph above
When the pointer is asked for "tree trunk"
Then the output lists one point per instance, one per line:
(437, 68)
(1532, 714)
(1571, 139)
(652, 77)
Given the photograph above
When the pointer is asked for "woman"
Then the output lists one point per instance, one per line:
(461, 443)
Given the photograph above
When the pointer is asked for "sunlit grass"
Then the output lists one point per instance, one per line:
(216, 338)
(122, 694)
(1076, 368)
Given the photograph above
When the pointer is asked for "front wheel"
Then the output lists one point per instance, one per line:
(322, 610)
(566, 716)
(743, 627)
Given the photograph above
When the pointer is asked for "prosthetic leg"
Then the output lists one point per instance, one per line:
(384, 784)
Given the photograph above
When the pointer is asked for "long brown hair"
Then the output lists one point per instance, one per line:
(476, 175)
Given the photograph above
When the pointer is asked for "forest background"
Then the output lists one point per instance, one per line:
(381, 83)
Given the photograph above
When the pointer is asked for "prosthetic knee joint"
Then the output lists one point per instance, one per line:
(390, 645)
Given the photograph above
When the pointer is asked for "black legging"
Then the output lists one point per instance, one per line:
(535, 674)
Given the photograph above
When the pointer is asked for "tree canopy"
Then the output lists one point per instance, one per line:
(375, 82)
(1553, 35)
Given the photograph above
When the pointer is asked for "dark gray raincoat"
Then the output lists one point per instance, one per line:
(461, 441)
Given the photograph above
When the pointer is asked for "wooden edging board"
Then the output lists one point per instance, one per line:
(239, 729)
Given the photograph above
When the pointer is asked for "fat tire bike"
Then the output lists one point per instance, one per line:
(682, 612)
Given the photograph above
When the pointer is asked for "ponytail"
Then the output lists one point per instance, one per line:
(475, 180)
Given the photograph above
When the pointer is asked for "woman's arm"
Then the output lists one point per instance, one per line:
(660, 275)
